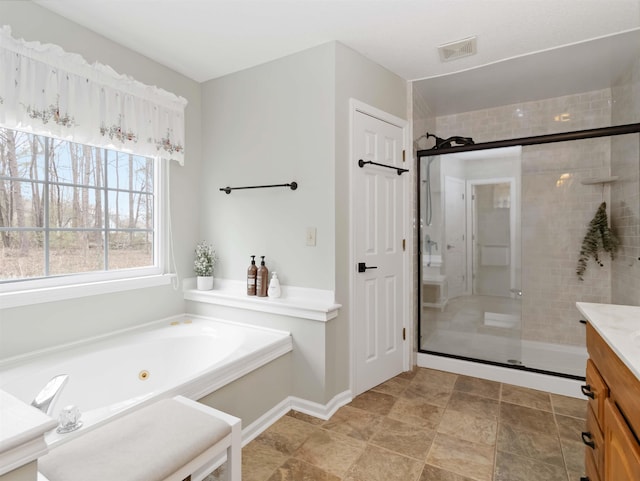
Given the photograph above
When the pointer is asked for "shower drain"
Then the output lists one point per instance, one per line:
(143, 375)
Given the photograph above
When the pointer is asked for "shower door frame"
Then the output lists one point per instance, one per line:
(522, 141)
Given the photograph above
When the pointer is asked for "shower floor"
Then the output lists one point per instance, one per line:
(488, 328)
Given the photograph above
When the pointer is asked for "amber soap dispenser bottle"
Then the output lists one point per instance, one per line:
(263, 279)
(252, 273)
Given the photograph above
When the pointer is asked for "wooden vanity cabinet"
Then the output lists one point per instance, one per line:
(612, 451)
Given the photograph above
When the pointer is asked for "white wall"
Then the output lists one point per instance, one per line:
(359, 78)
(41, 325)
(271, 124)
(281, 121)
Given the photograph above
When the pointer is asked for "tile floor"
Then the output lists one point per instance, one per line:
(428, 425)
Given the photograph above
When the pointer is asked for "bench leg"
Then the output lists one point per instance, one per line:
(234, 454)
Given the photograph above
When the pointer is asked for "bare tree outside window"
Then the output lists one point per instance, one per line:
(68, 208)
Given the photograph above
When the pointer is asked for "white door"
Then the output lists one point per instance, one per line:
(455, 246)
(379, 230)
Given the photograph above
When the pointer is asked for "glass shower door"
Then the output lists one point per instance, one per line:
(470, 275)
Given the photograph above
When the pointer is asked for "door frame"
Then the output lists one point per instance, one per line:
(513, 209)
(356, 106)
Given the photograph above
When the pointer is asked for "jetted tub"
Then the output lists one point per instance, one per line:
(188, 355)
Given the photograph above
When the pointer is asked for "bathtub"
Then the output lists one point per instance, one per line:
(188, 355)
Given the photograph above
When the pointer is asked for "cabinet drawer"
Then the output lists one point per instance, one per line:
(596, 391)
(623, 384)
(594, 440)
(622, 452)
(590, 469)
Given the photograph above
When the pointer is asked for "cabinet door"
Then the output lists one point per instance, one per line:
(622, 452)
(597, 391)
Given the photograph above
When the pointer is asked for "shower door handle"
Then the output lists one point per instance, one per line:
(450, 246)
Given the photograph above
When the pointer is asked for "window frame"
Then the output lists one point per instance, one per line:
(25, 291)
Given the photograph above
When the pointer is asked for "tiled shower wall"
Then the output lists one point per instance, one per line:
(625, 193)
(556, 207)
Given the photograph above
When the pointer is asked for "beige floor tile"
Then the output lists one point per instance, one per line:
(415, 411)
(432, 473)
(527, 418)
(570, 428)
(403, 438)
(375, 402)
(286, 435)
(436, 378)
(569, 406)
(473, 460)
(435, 394)
(305, 417)
(394, 386)
(455, 424)
(377, 464)
(471, 404)
(510, 467)
(544, 447)
(526, 397)
(573, 452)
(331, 452)
(259, 461)
(354, 422)
(477, 429)
(409, 375)
(297, 470)
(479, 387)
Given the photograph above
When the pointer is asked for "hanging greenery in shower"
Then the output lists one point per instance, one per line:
(598, 238)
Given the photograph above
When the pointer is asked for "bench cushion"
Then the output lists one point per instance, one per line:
(147, 445)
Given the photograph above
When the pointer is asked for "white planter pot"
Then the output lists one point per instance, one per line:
(204, 283)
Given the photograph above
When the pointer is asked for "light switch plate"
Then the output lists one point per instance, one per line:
(311, 236)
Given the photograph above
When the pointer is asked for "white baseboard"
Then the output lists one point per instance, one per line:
(321, 411)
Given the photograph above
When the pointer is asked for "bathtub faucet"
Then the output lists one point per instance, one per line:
(46, 398)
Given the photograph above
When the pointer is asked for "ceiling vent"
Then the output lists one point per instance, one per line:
(458, 49)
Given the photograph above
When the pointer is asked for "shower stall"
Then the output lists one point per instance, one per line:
(501, 233)
(502, 221)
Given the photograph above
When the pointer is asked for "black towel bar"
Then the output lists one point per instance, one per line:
(362, 163)
(292, 186)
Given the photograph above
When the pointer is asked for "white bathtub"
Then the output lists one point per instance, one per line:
(188, 355)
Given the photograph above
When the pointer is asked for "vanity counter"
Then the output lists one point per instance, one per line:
(619, 327)
(22, 431)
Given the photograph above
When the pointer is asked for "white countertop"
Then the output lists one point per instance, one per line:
(22, 431)
(619, 326)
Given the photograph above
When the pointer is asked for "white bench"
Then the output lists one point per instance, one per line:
(169, 440)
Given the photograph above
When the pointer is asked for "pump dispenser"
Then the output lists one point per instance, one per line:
(262, 280)
(274, 286)
(252, 273)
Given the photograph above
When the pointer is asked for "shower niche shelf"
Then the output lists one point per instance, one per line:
(599, 180)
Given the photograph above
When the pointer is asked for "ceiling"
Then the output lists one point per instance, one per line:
(205, 39)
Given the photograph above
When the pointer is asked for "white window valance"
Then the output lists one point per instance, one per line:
(46, 90)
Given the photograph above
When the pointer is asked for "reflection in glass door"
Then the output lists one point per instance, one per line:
(471, 299)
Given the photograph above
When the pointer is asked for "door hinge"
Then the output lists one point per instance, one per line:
(404, 333)
(403, 155)
(404, 244)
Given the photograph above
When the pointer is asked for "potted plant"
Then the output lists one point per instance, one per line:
(203, 265)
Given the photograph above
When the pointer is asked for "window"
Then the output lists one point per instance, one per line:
(73, 213)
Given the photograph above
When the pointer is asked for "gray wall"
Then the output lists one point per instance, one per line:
(271, 124)
(41, 325)
(281, 121)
